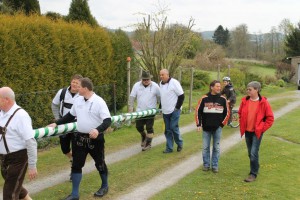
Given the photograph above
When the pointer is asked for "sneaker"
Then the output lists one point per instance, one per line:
(179, 148)
(250, 178)
(101, 192)
(145, 148)
(215, 170)
(205, 169)
(70, 197)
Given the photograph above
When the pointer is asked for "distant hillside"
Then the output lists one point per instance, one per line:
(207, 35)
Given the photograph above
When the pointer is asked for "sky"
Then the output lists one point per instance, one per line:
(259, 15)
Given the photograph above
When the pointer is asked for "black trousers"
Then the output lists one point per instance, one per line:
(13, 170)
(82, 145)
(65, 142)
(148, 121)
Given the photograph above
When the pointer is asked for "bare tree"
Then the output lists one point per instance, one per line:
(161, 45)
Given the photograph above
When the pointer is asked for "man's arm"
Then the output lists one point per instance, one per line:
(179, 101)
(55, 111)
(131, 103)
(65, 119)
(31, 146)
(105, 124)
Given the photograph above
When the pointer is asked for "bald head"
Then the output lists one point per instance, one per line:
(164, 75)
(7, 98)
(7, 92)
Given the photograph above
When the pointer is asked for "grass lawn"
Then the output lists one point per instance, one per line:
(279, 173)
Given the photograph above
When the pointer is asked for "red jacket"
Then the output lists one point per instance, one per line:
(264, 116)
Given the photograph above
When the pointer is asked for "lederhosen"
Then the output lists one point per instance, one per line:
(13, 169)
(83, 145)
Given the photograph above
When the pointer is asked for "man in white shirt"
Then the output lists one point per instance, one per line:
(18, 147)
(93, 118)
(172, 97)
(147, 94)
(61, 105)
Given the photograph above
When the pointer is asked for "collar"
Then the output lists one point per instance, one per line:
(165, 82)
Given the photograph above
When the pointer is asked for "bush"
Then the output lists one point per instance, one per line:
(270, 80)
(280, 83)
(201, 79)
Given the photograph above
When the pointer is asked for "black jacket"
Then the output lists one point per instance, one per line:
(212, 111)
(229, 93)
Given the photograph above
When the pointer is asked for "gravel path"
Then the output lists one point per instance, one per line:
(143, 192)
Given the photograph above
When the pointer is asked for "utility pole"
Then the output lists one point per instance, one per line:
(128, 82)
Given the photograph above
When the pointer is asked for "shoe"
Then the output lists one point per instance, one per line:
(101, 192)
(145, 148)
(179, 148)
(167, 151)
(205, 169)
(215, 170)
(250, 178)
(70, 197)
(229, 124)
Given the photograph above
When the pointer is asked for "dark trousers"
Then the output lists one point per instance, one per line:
(253, 144)
(83, 145)
(65, 142)
(148, 121)
(13, 170)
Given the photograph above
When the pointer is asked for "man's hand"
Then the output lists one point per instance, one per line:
(53, 125)
(32, 173)
(199, 128)
(94, 133)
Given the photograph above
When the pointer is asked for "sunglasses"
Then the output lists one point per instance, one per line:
(146, 79)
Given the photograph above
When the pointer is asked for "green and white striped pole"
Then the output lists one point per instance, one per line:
(64, 128)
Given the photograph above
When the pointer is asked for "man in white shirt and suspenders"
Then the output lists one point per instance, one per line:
(18, 147)
(147, 94)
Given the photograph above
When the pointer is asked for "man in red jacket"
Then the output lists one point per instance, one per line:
(256, 117)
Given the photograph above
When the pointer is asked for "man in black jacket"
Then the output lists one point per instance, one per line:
(211, 115)
(230, 95)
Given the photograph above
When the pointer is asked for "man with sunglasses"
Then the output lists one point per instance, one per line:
(147, 94)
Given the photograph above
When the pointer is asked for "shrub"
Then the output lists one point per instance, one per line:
(280, 83)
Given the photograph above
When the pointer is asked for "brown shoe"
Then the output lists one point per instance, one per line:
(146, 147)
(250, 178)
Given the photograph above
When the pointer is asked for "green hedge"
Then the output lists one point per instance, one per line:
(37, 54)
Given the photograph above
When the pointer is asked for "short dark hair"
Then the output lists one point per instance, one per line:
(213, 83)
(86, 82)
(77, 77)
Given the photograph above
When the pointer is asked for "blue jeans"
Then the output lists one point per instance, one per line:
(253, 145)
(206, 138)
(172, 130)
